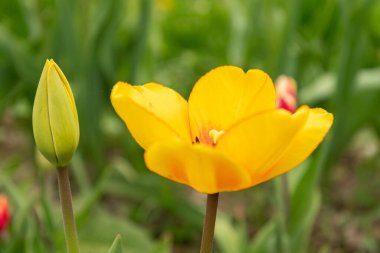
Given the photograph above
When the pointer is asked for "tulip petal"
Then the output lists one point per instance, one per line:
(69, 94)
(199, 166)
(152, 112)
(63, 120)
(305, 142)
(41, 123)
(272, 143)
(226, 95)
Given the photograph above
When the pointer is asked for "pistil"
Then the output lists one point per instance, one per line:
(215, 135)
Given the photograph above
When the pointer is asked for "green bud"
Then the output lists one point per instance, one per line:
(55, 119)
(42, 163)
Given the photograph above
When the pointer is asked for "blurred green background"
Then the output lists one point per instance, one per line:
(332, 49)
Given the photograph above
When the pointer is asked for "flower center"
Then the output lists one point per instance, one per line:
(215, 135)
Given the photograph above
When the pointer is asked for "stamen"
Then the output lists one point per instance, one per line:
(215, 134)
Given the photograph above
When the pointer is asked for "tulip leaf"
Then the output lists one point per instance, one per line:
(135, 238)
(264, 239)
(116, 246)
(302, 225)
(324, 86)
(236, 234)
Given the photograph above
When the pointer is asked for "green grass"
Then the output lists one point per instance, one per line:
(330, 47)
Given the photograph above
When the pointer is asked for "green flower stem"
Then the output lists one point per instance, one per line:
(286, 196)
(67, 210)
(283, 204)
(209, 224)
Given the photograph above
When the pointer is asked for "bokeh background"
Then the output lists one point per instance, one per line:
(330, 47)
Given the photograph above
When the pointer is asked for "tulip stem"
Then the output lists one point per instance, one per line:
(67, 210)
(209, 224)
(286, 196)
(283, 216)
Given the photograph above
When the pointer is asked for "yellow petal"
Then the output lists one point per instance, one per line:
(226, 95)
(152, 112)
(259, 142)
(305, 142)
(199, 166)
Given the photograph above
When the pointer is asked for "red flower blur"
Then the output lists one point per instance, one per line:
(286, 89)
(4, 213)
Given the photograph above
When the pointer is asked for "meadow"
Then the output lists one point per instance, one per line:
(330, 47)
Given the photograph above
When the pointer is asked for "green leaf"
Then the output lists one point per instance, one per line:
(116, 246)
(229, 237)
(264, 239)
(303, 224)
(98, 230)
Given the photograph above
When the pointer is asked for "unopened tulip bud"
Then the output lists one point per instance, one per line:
(286, 89)
(41, 162)
(4, 213)
(55, 119)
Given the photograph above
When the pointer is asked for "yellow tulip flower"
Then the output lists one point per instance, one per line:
(55, 120)
(229, 135)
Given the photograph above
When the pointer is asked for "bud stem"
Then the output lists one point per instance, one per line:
(209, 224)
(67, 210)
